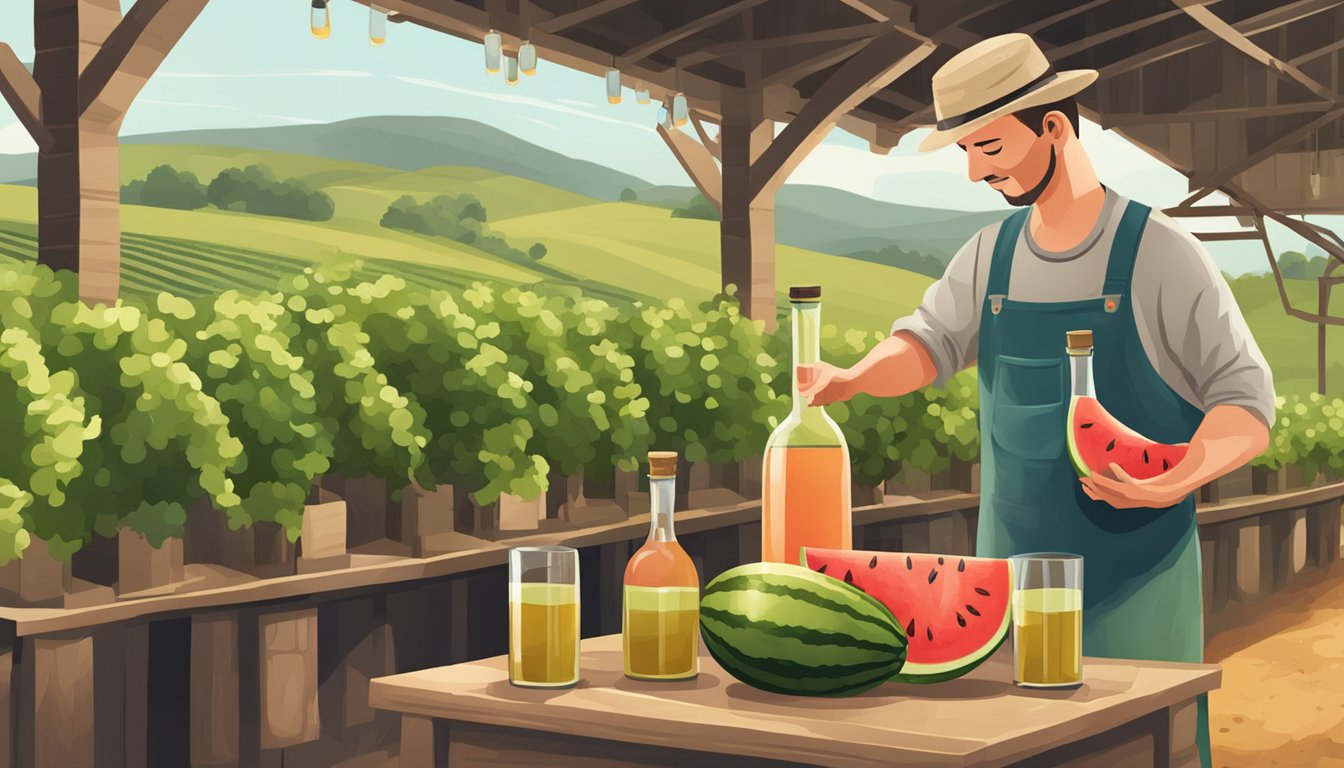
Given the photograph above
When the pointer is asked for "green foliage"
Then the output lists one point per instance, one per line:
(13, 538)
(628, 195)
(697, 208)
(459, 218)
(895, 256)
(1308, 433)
(1295, 265)
(165, 187)
(255, 189)
(537, 252)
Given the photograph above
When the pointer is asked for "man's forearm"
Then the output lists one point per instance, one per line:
(899, 364)
(1228, 437)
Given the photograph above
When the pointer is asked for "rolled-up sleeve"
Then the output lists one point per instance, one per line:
(1200, 342)
(947, 321)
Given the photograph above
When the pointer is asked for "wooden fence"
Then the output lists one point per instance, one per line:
(266, 660)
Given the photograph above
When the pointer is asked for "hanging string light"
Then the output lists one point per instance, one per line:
(527, 58)
(377, 25)
(680, 114)
(320, 22)
(511, 70)
(613, 84)
(494, 46)
(665, 114)
(1315, 178)
(641, 93)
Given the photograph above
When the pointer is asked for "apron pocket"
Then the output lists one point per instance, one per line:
(1034, 432)
(1026, 429)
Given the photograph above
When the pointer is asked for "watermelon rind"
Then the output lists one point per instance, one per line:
(923, 674)
(1079, 465)
(785, 629)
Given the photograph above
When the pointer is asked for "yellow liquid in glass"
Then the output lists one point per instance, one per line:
(1048, 637)
(543, 635)
(662, 632)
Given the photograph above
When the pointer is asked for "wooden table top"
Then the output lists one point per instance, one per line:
(981, 719)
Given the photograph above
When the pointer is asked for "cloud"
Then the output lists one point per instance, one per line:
(509, 98)
(296, 120)
(542, 123)
(193, 104)
(14, 140)
(577, 103)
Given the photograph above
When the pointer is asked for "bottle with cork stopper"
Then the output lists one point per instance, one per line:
(1079, 346)
(660, 624)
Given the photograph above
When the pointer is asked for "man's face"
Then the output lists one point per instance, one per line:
(1011, 159)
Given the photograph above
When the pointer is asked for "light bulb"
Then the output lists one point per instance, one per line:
(642, 96)
(377, 25)
(664, 116)
(527, 58)
(680, 114)
(613, 86)
(1315, 180)
(494, 47)
(320, 22)
(511, 70)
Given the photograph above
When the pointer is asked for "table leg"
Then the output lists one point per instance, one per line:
(417, 742)
(1182, 721)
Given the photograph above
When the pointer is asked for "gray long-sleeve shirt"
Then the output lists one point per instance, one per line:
(1189, 324)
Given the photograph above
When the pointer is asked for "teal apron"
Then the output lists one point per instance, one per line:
(1141, 574)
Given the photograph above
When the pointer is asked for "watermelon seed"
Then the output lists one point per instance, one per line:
(971, 609)
(908, 563)
(910, 630)
(940, 561)
(1145, 455)
(1165, 465)
(822, 569)
(849, 577)
(982, 591)
(1088, 425)
(1111, 445)
(961, 566)
(928, 631)
(961, 621)
(933, 574)
(873, 563)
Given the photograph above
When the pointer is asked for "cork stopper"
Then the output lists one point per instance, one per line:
(805, 293)
(1079, 342)
(662, 463)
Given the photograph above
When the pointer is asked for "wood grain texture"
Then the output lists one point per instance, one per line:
(214, 689)
(981, 719)
(63, 695)
(288, 647)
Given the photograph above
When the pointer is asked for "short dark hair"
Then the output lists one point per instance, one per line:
(1034, 117)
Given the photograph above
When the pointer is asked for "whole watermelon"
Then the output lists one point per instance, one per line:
(787, 629)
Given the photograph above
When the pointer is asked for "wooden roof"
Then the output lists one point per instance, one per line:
(1237, 94)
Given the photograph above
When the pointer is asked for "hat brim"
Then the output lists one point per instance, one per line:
(1064, 85)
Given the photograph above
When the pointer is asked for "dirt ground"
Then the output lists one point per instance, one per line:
(1282, 698)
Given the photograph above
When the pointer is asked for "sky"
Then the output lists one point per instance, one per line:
(250, 63)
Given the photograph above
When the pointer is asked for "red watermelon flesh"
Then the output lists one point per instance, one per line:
(955, 610)
(1097, 439)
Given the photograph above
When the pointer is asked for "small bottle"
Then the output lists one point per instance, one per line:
(320, 23)
(1079, 347)
(661, 617)
(805, 493)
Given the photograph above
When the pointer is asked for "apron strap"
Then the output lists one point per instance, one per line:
(1124, 250)
(1001, 266)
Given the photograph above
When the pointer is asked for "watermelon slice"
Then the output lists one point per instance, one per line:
(1097, 439)
(955, 610)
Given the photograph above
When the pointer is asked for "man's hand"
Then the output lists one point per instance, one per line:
(823, 383)
(1121, 491)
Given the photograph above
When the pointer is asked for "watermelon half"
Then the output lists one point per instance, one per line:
(955, 610)
(1097, 439)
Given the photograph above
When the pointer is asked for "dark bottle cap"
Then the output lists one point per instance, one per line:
(805, 293)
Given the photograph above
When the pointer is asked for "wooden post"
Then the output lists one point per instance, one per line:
(1299, 538)
(915, 536)
(423, 513)
(37, 577)
(141, 566)
(63, 704)
(8, 696)
(519, 514)
(367, 505)
(287, 642)
(747, 228)
(214, 689)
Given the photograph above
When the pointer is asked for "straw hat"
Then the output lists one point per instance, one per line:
(993, 78)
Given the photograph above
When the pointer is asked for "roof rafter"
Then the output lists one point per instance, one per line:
(588, 12)
(650, 47)
(1219, 176)
(838, 34)
(132, 54)
(1116, 120)
(23, 95)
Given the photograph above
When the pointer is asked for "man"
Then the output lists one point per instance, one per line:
(1173, 356)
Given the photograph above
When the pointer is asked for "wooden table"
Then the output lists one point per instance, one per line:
(1125, 714)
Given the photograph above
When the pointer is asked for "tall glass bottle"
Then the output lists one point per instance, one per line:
(1079, 346)
(805, 494)
(661, 616)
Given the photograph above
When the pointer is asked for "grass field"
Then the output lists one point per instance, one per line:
(615, 250)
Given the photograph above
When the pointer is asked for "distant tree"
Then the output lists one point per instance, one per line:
(628, 195)
(1316, 267)
(255, 189)
(165, 187)
(459, 218)
(895, 256)
(697, 208)
(1293, 265)
(537, 252)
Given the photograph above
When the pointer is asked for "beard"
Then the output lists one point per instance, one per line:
(1033, 194)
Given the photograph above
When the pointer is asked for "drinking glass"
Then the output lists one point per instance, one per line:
(544, 616)
(1048, 620)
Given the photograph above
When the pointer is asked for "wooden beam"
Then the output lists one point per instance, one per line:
(1215, 237)
(698, 162)
(1237, 40)
(1200, 115)
(1055, 18)
(20, 90)
(574, 18)
(1077, 46)
(132, 54)
(800, 69)
(1209, 210)
(649, 47)
(1317, 53)
(868, 72)
(883, 10)
(1217, 177)
(710, 144)
(1277, 17)
(838, 34)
